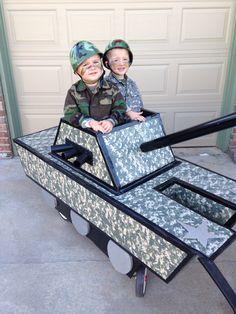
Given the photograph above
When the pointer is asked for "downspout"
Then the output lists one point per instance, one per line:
(8, 84)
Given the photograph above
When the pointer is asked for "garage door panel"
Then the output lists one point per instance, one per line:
(77, 19)
(36, 122)
(206, 25)
(200, 78)
(42, 77)
(147, 25)
(42, 22)
(176, 79)
(151, 79)
(188, 119)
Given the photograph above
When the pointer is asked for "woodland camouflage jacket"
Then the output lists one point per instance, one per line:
(81, 104)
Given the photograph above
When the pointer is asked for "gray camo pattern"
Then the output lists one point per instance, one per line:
(209, 208)
(158, 254)
(128, 161)
(99, 168)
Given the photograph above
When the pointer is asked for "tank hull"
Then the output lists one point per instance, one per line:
(175, 211)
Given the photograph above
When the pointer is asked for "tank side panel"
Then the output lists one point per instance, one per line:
(151, 249)
(128, 161)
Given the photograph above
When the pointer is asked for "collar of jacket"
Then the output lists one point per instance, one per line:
(102, 84)
(114, 78)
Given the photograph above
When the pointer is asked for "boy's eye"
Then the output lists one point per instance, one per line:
(114, 60)
(119, 61)
(95, 63)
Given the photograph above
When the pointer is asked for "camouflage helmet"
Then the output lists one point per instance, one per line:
(116, 43)
(81, 51)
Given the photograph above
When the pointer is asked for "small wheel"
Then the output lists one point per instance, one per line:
(119, 258)
(63, 216)
(81, 225)
(141, 282)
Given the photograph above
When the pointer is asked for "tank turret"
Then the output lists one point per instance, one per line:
(125, 157)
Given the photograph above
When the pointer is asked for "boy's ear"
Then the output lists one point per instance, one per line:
(77, 73)
(107, 64)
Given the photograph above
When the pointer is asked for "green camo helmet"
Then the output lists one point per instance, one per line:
(81, 51)
(116, 43)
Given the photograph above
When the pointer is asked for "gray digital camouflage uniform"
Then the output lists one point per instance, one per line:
(106, 102)
(129, 90)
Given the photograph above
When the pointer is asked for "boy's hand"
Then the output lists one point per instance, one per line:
(107, 126)
(96, 126)
(135, 115)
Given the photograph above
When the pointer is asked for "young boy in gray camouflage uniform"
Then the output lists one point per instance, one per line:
(118, 58)
(92, 101)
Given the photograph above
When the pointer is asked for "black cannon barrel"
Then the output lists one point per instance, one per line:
(61, 148)
(70, 153)
(212, 126)
(86, 156)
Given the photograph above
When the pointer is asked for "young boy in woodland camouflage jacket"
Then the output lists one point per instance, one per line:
(92, 101)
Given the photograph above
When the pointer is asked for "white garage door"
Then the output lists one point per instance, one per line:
(181, 49)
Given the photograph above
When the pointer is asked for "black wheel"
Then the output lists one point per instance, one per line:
(63, 216)
(141, 282)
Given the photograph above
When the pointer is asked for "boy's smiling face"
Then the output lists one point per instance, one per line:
(91, 70)
(118, 59)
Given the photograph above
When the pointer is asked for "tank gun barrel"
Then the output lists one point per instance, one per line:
(211, 126)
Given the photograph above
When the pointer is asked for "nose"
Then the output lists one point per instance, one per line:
(89, 67)
(93, 65)
(122, 62)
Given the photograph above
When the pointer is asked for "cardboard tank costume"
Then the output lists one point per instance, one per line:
(127, 192)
